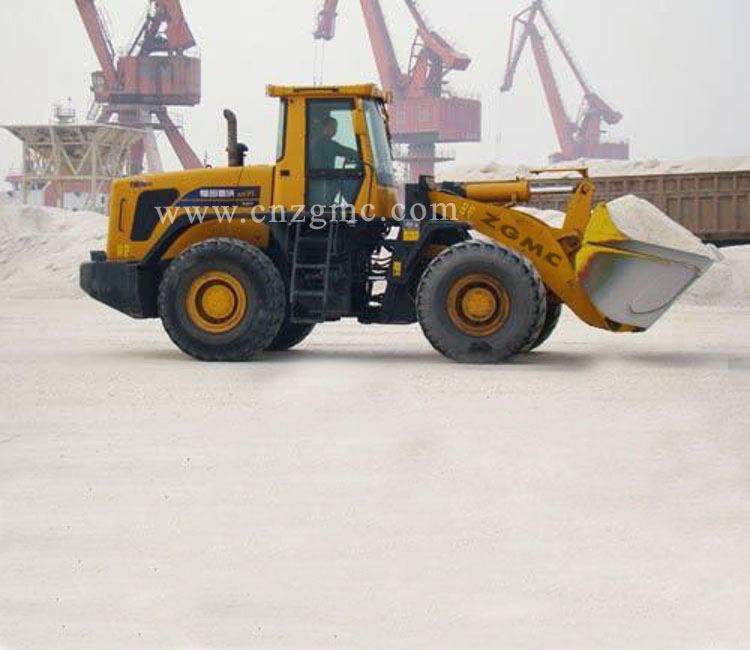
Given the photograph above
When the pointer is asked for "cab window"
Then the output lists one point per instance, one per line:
(281, 141)
(381, 144)
(334, 161)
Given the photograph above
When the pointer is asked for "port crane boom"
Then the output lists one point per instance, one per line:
(580, 138)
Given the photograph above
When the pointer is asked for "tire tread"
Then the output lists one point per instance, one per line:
(256, 261)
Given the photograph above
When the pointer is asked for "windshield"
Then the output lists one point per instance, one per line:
(381, 146)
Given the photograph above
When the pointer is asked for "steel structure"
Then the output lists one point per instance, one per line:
(425, 112)
(68, 157)
(580, 138)
(156, 72)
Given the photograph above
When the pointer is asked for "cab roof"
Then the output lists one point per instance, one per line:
(361, 90)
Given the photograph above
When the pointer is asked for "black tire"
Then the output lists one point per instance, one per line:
(290, 335)
(554, 311)
(523, 299)
(257, 280)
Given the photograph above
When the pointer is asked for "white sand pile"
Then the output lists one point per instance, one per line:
(41, 249)
(553, 218)
(597, 168)
(726, 283)
(641, 220)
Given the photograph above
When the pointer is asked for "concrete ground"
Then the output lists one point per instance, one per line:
(363, 492)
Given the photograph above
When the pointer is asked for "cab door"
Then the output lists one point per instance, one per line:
(334, 169)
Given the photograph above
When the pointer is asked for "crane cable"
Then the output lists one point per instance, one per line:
(319, 61)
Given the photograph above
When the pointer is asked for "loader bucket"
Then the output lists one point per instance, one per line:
(632, 282)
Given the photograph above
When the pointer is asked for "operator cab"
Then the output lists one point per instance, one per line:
(334, 149)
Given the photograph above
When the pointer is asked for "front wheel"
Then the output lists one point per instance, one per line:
(554, 311)
(222, 300)
(481, 303)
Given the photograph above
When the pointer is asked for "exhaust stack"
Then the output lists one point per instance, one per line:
(236, 151)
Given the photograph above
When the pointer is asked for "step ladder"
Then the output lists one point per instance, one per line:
(311, 272)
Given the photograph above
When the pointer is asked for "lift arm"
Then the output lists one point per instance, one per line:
(487, 208)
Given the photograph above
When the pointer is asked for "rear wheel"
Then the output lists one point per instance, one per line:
(290, 335)
(222, 300)
(481, 303)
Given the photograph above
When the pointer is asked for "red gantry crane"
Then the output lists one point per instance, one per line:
(156, 72)
(425, 112)
(580, 138)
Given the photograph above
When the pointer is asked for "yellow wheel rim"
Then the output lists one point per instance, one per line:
(478, 304)
(216, 302)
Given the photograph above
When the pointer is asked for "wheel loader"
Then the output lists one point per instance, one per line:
(243, 259)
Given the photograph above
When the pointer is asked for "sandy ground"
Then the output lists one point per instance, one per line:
(363, 492)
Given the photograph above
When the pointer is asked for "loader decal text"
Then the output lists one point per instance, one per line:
(526, 245)
(466, 211)
(221, 196)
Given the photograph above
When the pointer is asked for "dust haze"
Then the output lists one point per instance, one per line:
(360, 491)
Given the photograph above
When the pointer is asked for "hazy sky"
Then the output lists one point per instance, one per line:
(676, 69)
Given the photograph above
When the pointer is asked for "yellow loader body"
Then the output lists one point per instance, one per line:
(242, 259)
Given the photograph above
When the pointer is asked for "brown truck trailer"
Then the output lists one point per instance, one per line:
(714, 205)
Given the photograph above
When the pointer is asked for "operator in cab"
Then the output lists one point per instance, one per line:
(334, 179)
(325, 149)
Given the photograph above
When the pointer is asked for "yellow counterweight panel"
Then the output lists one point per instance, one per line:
(126, 192)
